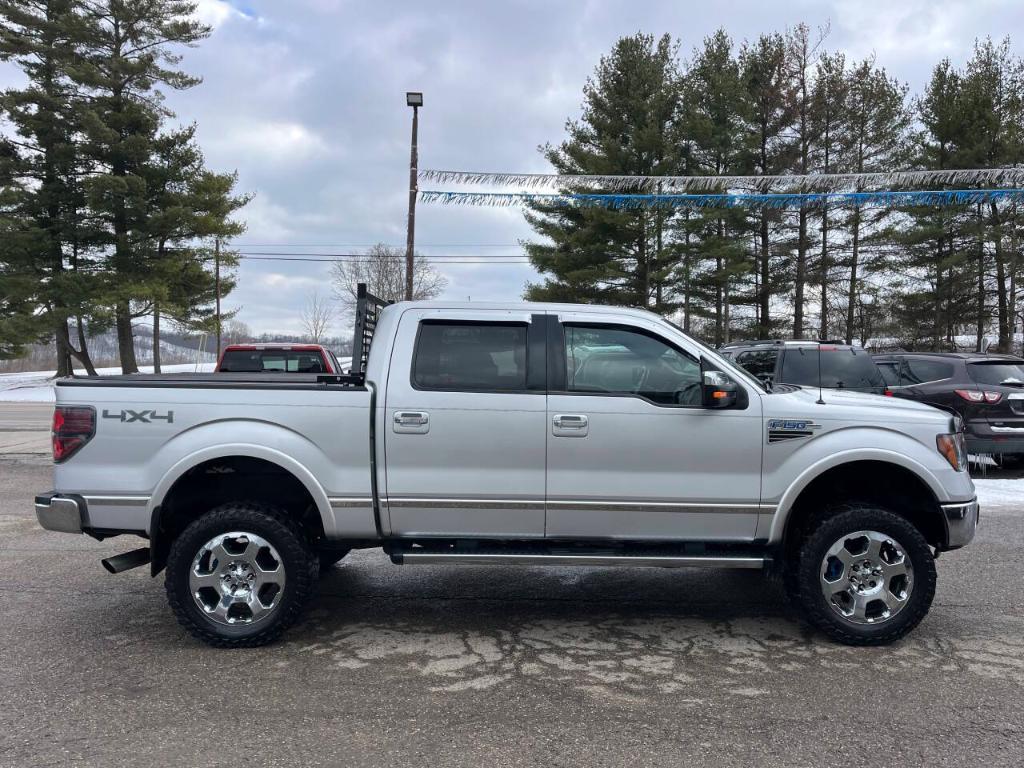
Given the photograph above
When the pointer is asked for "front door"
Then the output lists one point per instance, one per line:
(632, 454)
(464, 425)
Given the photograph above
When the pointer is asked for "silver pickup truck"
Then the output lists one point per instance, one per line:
(513, 434)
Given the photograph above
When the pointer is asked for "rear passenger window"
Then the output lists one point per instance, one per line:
(470, 356)
(921, 371)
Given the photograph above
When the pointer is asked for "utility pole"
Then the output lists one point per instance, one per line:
(414, 100)
(216, 280)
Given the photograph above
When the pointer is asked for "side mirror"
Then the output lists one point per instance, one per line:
(718, 390)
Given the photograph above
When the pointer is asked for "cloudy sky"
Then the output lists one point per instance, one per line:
(306, 99)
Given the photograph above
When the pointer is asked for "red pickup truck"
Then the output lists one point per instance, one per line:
(278, 358)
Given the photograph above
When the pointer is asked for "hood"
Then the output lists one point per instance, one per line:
(850, 406)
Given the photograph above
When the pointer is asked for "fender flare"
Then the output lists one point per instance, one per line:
(226, 451)
(815, 470)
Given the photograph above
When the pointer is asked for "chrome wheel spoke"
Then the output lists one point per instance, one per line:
(197, 581)
(876, 579)
(237, 578)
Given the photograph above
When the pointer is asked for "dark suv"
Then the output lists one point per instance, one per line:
(842, 366)
(986, 390)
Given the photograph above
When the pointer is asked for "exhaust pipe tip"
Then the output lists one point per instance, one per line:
(126, 560)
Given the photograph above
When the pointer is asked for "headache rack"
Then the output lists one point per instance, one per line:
(368, 309)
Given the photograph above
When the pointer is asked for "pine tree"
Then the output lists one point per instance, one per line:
(613, 256)
(716, 118)
(44, 165)
(770, 90)
(878, 124)
(129, 58)
(828, 121)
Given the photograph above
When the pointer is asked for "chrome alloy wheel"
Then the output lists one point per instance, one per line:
(237, 578)
(867, 577)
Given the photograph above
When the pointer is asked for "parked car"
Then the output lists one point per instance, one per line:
(512, 435)
(842, 366)
(277, 358)
(986, 391)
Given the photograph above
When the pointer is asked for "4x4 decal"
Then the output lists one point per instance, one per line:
(127, 416)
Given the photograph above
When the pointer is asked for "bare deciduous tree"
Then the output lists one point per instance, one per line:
(317, 315)
(383, 271)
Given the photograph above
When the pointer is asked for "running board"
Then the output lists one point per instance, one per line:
(415, 557)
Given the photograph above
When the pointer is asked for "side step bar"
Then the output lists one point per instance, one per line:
(633, 561)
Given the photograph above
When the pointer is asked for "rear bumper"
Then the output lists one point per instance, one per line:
(983, 437)
(66, 514)
(961, 522)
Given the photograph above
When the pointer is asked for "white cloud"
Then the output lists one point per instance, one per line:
(214, 12)
(274, 142)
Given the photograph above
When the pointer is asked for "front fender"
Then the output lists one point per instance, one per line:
(884, 445)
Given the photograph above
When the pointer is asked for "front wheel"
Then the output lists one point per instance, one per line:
(240, 575)
(865, 576)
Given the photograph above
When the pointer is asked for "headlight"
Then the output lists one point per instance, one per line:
(954, 449)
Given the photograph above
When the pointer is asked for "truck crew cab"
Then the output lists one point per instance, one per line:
(511, 434)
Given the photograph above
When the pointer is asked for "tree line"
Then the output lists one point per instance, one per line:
(919, 277)
(108, 213)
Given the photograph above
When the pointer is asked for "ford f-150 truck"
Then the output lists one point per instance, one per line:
(512, 434)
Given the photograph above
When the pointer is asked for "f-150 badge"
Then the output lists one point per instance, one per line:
(790, 429)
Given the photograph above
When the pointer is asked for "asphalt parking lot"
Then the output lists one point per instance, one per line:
(464, 666)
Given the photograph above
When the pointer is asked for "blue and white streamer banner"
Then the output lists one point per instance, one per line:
(890, 199)
(821, 182)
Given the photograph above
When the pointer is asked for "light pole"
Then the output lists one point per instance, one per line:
(414, 100)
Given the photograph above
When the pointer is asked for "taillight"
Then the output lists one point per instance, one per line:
(973, 396)
(889, 393)
(73, 427)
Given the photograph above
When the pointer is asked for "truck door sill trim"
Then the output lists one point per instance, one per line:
(655, 561)
(608, 506)
(343, 503)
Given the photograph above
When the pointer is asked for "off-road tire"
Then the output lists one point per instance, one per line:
(282, 532)
(831, 525)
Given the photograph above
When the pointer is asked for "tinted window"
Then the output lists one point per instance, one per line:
(997, 373)
(917, 371)
(471, 356)
(840, 369)
(258, 360)
(761, 363)
(890, 372)
(625, 362)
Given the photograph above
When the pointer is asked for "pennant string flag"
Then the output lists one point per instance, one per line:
(831, 182)
(886, 198)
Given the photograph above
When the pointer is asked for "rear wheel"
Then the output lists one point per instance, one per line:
(240, 575)
(865, 576)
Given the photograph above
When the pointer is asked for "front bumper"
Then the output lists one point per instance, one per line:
(961, 522)
(66, 514)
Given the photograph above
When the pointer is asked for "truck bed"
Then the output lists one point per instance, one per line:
(218, 381)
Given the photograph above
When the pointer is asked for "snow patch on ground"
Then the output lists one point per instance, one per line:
(1000, 492)
(37, 386)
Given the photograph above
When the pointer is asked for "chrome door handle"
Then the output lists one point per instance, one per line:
(411, 418)
(411, 422)
(566, 421)
(570, 425)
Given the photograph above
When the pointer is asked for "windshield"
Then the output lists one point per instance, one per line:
(840, 369)
(1011, 374)
(719, 362)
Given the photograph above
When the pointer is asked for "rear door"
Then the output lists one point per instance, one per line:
(631, 452)
(465, 425)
